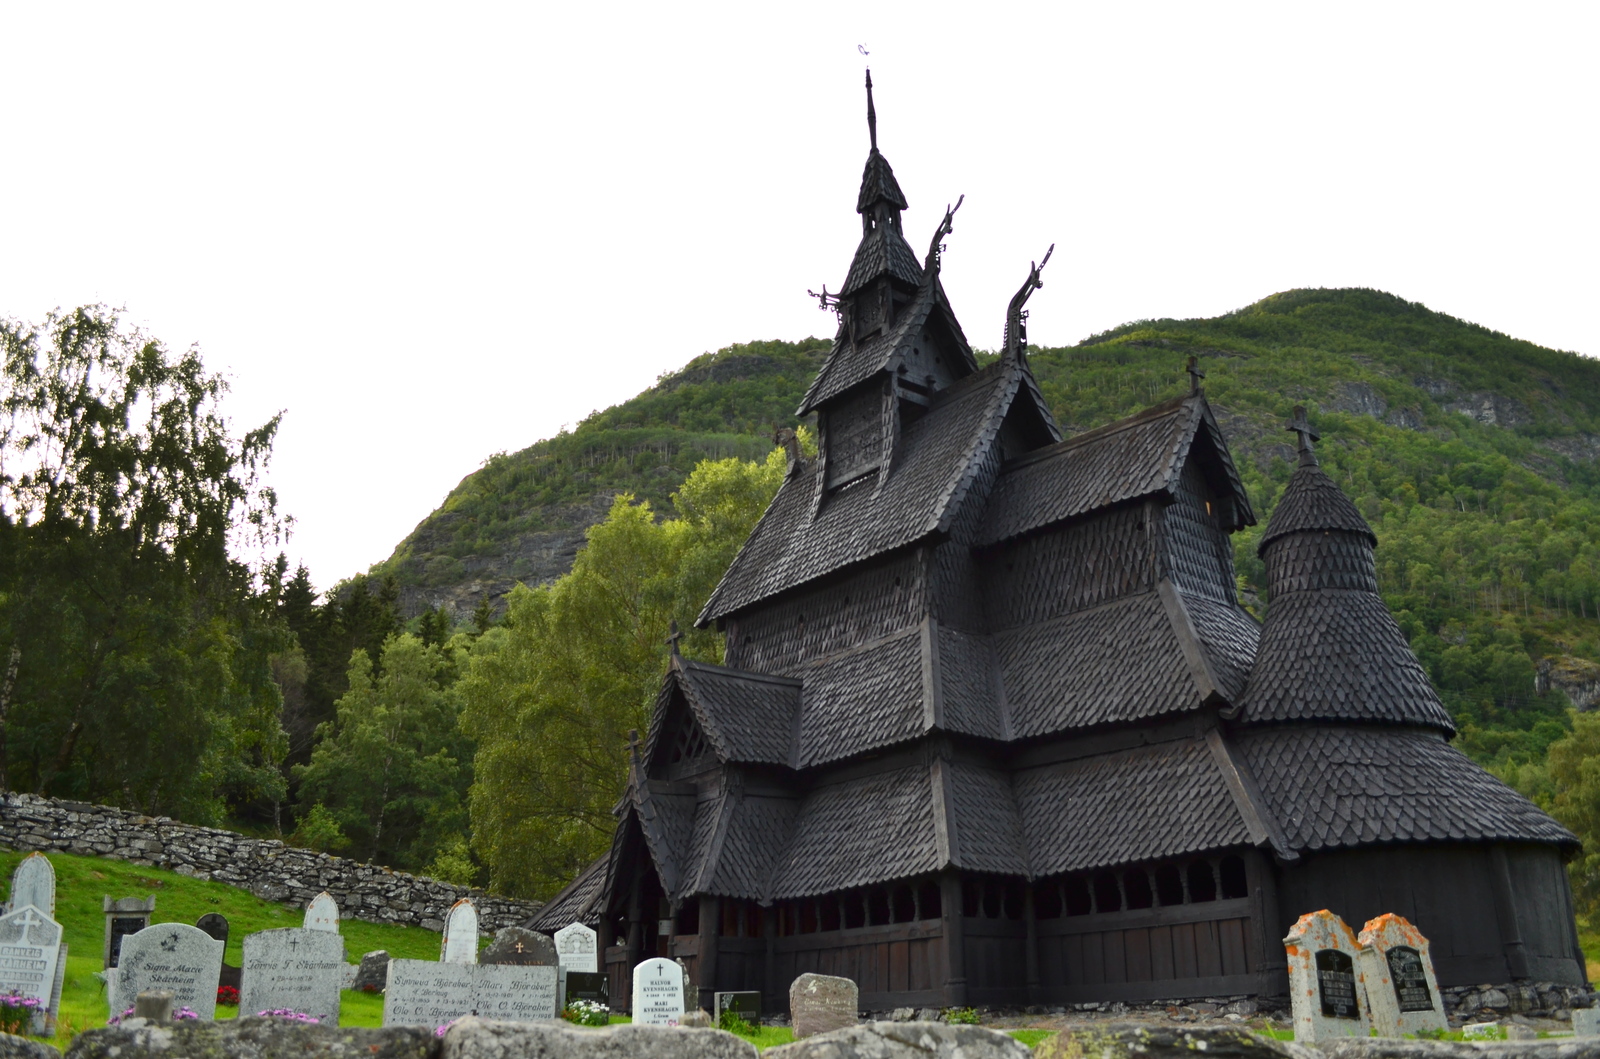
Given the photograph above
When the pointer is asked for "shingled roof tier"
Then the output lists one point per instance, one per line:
(859, 832)
(1123, 461)
(790, 546)
(882, 250)
(1330, 649)
(577, 903)
(749, 717)
(1332, 787)
(879, 185)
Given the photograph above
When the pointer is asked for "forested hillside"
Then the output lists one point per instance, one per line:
(1473, 454)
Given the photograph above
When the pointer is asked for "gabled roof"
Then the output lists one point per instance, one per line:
(878, 184)
(920, 496)
(666, 822)
(578, 903)
(1163, 800)
(1123, 461)
(1333, 787)
(882, 250)
(851, 362)
(749, 717)
(1312, 502)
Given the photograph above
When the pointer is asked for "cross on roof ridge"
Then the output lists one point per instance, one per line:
(1195, 374)
(1302, 426)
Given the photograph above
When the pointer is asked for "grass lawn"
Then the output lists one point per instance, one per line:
(82, 881)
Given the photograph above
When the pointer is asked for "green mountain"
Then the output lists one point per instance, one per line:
(1475, 456)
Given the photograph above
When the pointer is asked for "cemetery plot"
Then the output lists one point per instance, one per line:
(819, 1003)
(34, 883)
(424, 993)
(1401, 989)
(460, 941)
(519, 945)
(295, 968)
(173, 956)
(578, 948)
(124, 916)
(322, 913)
(32, 959)
(658, 993)
(1325, 988)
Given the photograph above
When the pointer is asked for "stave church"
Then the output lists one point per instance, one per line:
(992, 727)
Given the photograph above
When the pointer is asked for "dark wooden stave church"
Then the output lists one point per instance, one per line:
(994, 729)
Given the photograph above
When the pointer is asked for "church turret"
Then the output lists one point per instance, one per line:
(1330, 650)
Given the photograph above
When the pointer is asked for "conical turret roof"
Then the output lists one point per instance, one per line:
(879, 185)
(1330, 650)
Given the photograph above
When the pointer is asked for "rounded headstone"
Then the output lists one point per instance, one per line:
(819, 1003)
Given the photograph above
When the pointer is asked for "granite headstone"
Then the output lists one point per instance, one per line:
(216, 924)
(31, 958)
(1325, 988)
(657, 993)
(181, 959)
(460, 941)
(585, 985)
(520, 945)
(124, 916)
(819, 1003)
(322, 913)
(295, 968)
(424, 993)
(745, 1004)
(34, 883)
(577, 948)
(1402, 992)
(373, 974)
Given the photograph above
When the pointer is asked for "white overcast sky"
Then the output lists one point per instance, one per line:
(436, 232)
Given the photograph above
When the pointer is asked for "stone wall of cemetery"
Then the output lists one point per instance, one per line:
(265, 867)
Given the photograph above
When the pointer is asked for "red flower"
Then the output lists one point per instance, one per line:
(227, 994)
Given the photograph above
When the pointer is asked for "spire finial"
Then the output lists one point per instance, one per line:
(1195, 374)
(1016, 317)
(672, 640)
(1302, 426)
(872, 115)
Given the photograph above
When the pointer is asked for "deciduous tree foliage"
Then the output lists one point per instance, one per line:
(551, 694)
(141, 643)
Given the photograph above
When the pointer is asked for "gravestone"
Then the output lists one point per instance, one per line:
(586, 985)
(657, 993)
(1325, 988)
(31, 960)
(373, 974)
(181, 959)
(747, 1005)
(216, 924)
(519, 945)
(124, 916)
(577, 948)
(322, 913)
(424, 993)
(34, 883)
(460, 941)
(819, 1003)
(1402, 993)
(1586, 1022)
(295, 968)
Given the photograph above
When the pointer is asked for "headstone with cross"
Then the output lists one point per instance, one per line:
(295, 968)
(519, 945)
(176, 957)
(658, 993)
(32, 957)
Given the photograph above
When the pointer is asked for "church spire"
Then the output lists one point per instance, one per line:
(872, 115)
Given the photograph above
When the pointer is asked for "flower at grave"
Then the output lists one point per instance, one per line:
(440, 1030)
(185, 1012)
(287, 1013)
(16, 1011)
(587, 1013)
(227, 994)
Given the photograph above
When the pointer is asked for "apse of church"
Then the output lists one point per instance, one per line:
(992, 727)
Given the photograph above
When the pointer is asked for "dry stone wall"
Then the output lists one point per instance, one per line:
(265, 867)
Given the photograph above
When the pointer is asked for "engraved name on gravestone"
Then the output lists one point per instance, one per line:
(819, 1003)
(1325, 990)
(1401, 988)
(657, 993)
(322, 913)
(586, 985)
(124, 916)
(460, 941)
(294, 968)
(519, 945)
(747, 1005)
(176, 957)
(578, 948)
(34, 883)
(30, 958)
(423, 993)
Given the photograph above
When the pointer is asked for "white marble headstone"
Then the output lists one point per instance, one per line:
(30, 956)
(1402, 992)
(34, 883)
(1325, 988)
(424, 993)
(576, 948)
(294, 968)
(173, 956)
(460, 941)
(322, 913)
(658, 993)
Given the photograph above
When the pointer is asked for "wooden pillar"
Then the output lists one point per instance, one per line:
(1271, 960)
(770, 999)
(710, 924)
(630, 952)
(955, 956)
(1031, 950)
(1505, 907)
